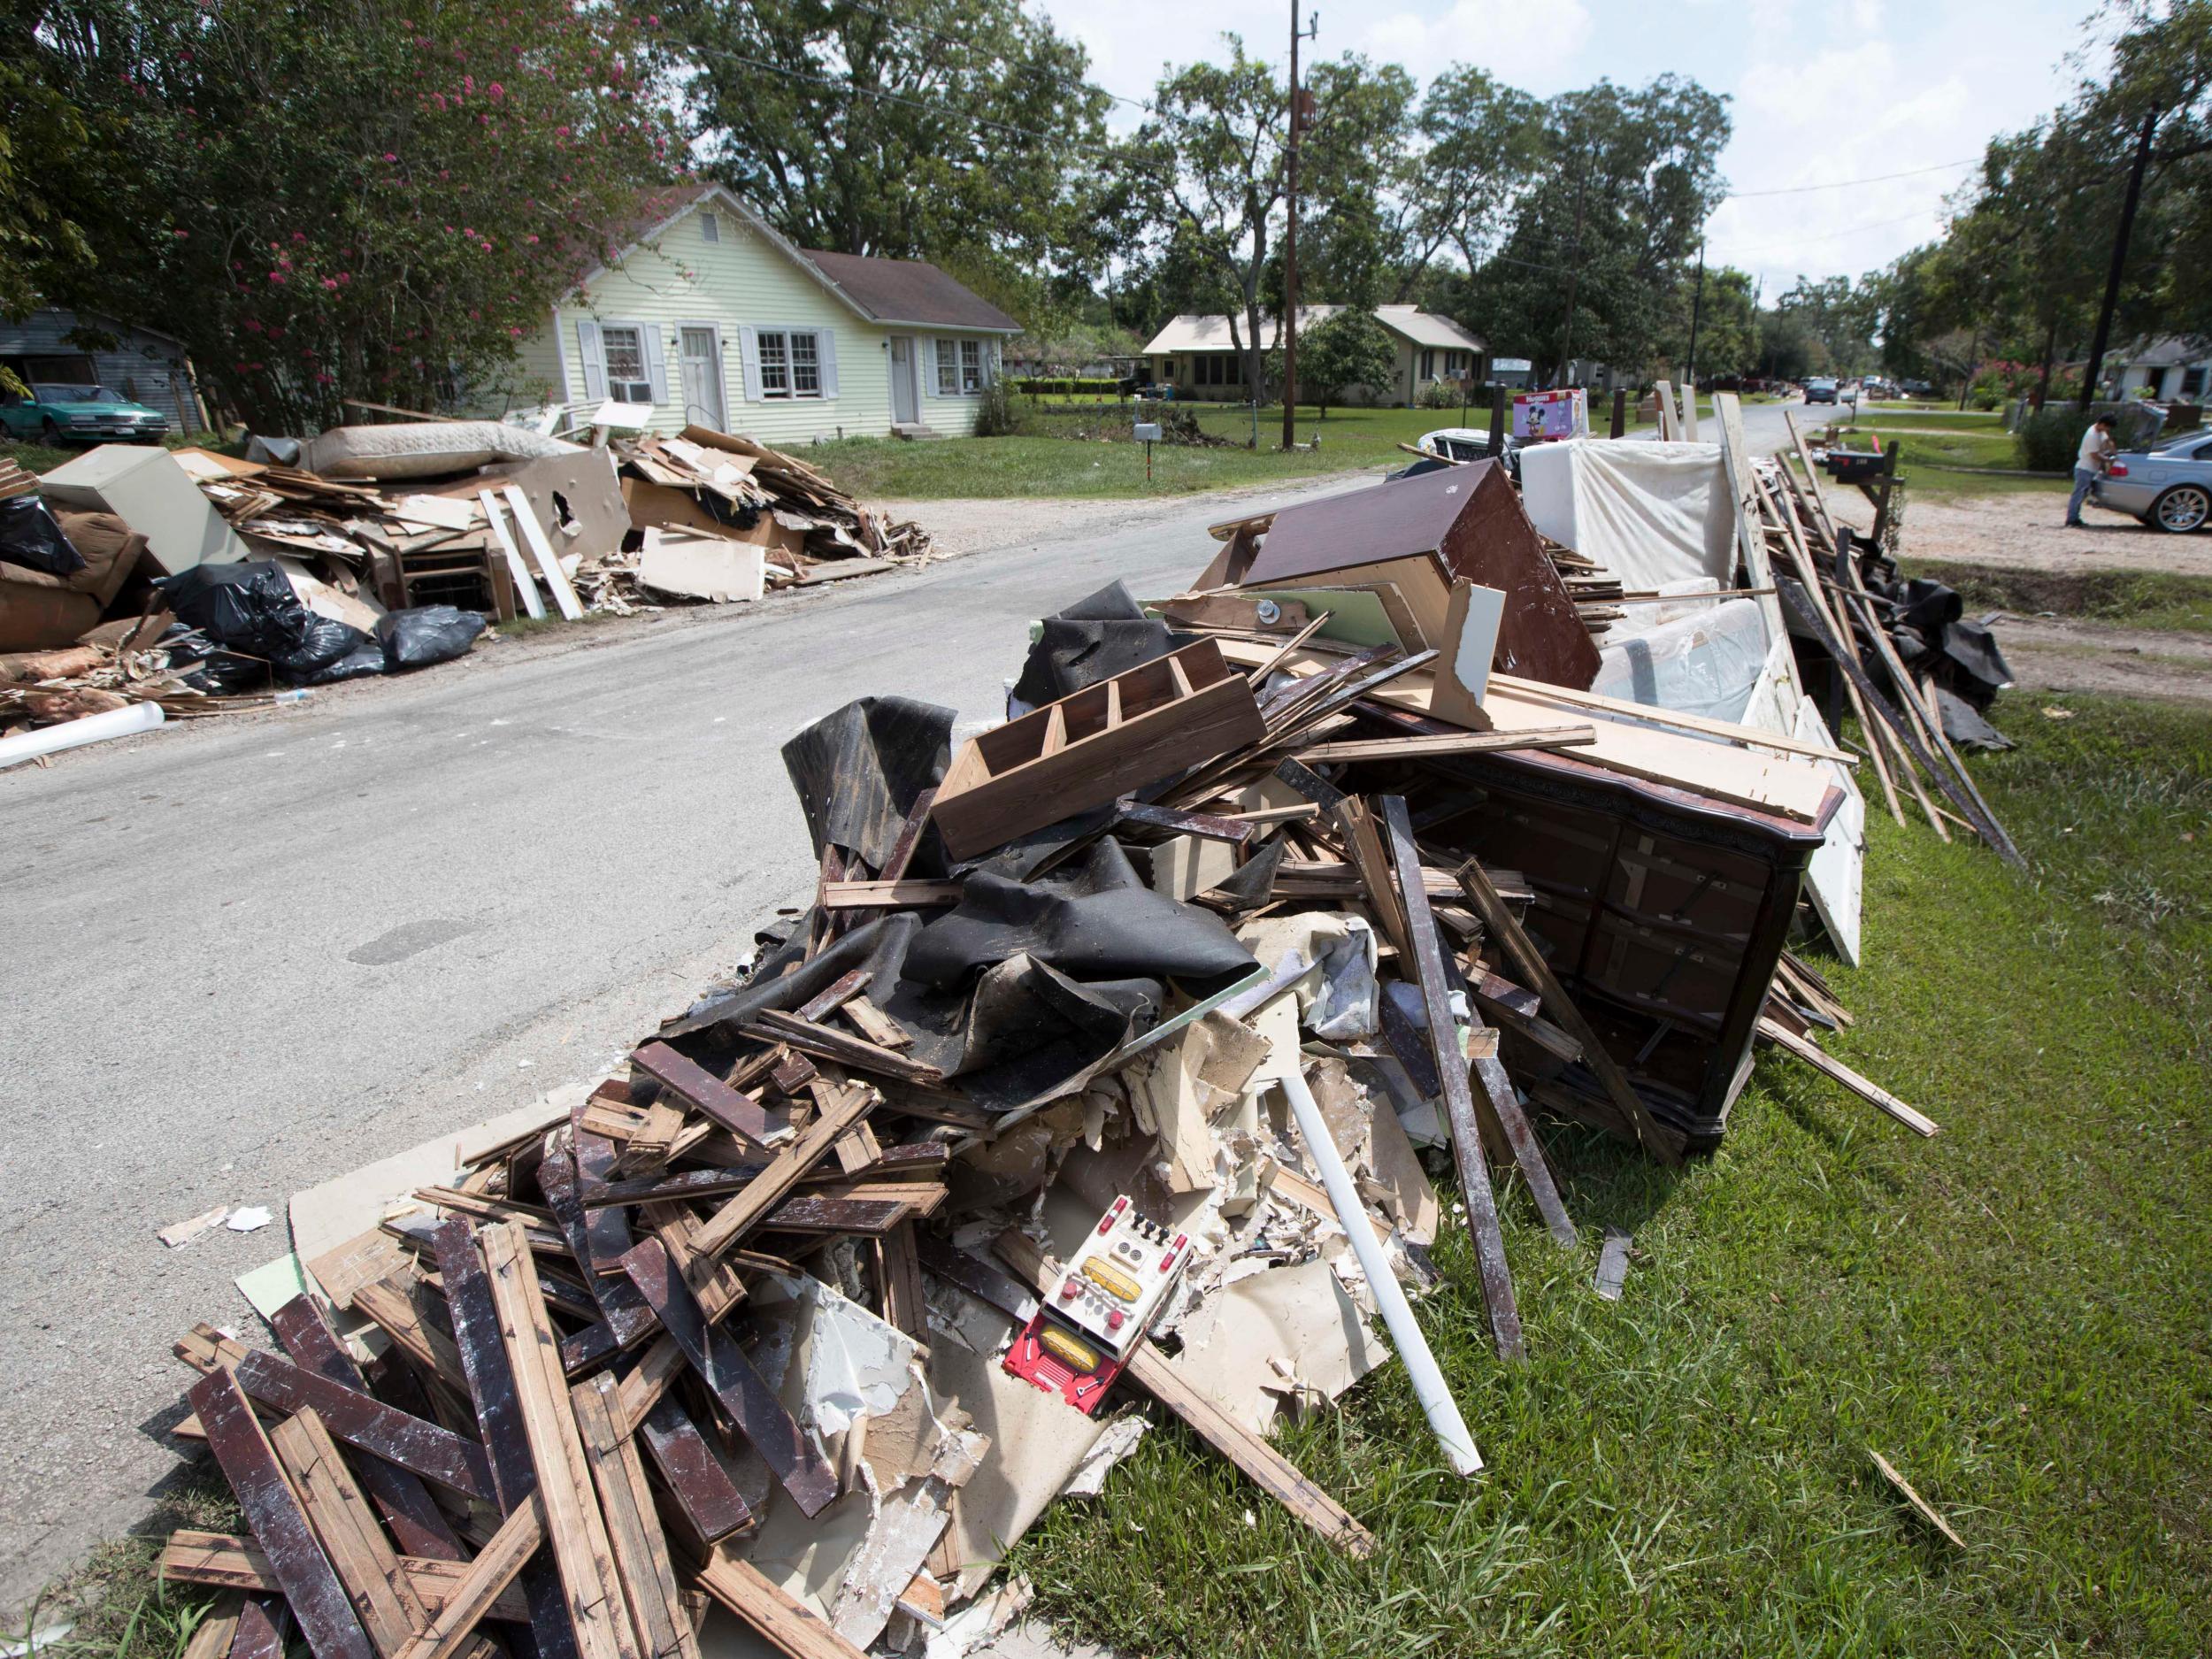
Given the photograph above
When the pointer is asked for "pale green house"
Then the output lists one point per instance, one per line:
(717, 320)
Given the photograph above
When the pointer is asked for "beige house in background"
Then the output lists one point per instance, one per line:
(1198, 357)
(715, 319)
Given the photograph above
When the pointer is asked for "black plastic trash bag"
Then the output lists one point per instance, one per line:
(226, 673)
(424, 635)
(364, 659)
(248, 607)
(30, 537)
(327, 642)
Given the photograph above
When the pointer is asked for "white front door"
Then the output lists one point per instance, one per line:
(701, 352)
(904, 409)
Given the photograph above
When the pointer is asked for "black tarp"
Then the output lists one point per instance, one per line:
(1093, 639)
(859, 771)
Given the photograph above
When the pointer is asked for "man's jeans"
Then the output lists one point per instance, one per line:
(2083, 478)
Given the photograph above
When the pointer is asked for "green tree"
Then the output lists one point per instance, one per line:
(376, 198)
(1601, 235)
(1726, 325)
(1346, 348)
(42, 136)
(963, 132)
(1482, 147)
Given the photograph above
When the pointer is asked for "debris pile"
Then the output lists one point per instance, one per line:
(1114, 1049)
(369, 533)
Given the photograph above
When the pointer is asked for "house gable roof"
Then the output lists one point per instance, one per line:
(872, 288)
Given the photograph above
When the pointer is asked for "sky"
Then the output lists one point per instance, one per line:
(1820, 90)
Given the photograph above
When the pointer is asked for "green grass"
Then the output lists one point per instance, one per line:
(2013, 1314)
(1042, 464)
(2136, 599)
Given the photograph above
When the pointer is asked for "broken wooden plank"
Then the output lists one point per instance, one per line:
(899, 1279)
(229, 1562)
(772, 1026)
(1205, 826)
(790, 1627)
(744, 1394)
(597, 1609)
(262, 1625)
(773, 1184)
(471, 1599)
(1505, 927)
(737, 1112)
(362, 1420)
(399, 1493)
(1426, 958)
(633, 1527)
(628, 1319)
(869, 1218)
(876, 1025)
(1423, 747)
(694, 1475)
(835, 994)
(273, 1510)
(888, 895)
(338, 1509)
(1926, 1510)
(1873, 1094)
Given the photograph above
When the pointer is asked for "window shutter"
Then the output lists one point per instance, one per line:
(595, 361)
(656, 362)
(748, 356)
(825, 350)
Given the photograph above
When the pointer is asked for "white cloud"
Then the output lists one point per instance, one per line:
(1529, 45)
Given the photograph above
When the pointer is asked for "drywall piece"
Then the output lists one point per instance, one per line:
(714, 567)
(357, 610)
(1463, 663)
(442, 513)
(575, 500)
(1836, 878)
(1177, 1089)
(1613, 1265)
(1268, 1342)
(1186, 866)
(525, 583)
(150, 491)
(541, 550)
(1120, 1439)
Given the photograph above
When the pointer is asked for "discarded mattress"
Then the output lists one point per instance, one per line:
(1651, 513)
(424, 449)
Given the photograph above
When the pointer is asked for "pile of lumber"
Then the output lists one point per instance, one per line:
(1897, 709)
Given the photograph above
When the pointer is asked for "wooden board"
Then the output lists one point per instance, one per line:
(548, 563)
(362, 1420)
(1454, 744)
(228, 1562)
(597, 1607)
(338, 1511)
(729, 1223)
(744, 1394)
(1152, 722)
(774, 1025)
(738, 1113)
(628, 1319)
(1873, 1094)
(694, 1475)
(1426, 959)
(786, 1625)
(273, 1510)
(472, 1596)
(641, 1549)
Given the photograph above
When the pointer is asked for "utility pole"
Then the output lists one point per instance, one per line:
(1697, 307)
(2119, 260)
(1574, 269)
(1288, 328)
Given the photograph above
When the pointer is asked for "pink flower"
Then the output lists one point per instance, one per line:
(516, 332)
(497, 90)
(251, 326)
(276, 276)
(389, 156)
(180, 234)
(531, 239)
(560, 132)
(299, 236)
(330, 282)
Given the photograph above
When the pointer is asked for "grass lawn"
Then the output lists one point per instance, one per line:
(1039, 464)
(2136, 599)
(2013, 1313)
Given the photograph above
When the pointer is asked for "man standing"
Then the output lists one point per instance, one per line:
(2091, 462)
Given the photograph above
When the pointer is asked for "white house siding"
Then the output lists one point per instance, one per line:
(953, 415)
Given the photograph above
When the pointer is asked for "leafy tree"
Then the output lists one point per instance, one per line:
(42, 136)
(1483, 147)
(1346, 348)
(962, 132)
(376, 198)
(1726, 325)
(1840, 316)
(1602, 233)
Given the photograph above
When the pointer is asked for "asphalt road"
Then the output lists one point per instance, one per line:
(253, 953)
(256, 953)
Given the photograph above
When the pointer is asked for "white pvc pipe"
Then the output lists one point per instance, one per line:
(90, 728)
(1428, 1386)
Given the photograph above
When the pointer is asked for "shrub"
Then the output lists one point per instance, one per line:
(1440, 395)
(1068, 385)
(2049, 441)
(997, 414)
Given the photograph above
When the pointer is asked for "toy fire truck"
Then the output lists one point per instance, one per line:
(1082, 1336)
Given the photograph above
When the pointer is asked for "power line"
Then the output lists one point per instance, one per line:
(1841, 184)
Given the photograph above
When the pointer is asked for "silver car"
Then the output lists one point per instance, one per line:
(2169, 489)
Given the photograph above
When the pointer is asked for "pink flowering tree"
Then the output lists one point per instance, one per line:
(377, 200)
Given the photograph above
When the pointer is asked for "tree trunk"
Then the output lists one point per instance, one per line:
(2050, 359)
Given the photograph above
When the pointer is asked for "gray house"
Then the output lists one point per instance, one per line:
(147, 367)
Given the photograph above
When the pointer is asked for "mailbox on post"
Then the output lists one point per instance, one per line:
(1148, 434)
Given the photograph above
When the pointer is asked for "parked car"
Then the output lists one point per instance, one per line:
(2168, 489)
(1874, 386)
(80, 411)
(1468, 443)
(1917, 389)
(1822, 391)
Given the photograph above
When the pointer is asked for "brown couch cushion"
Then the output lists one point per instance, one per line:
(110, 550)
